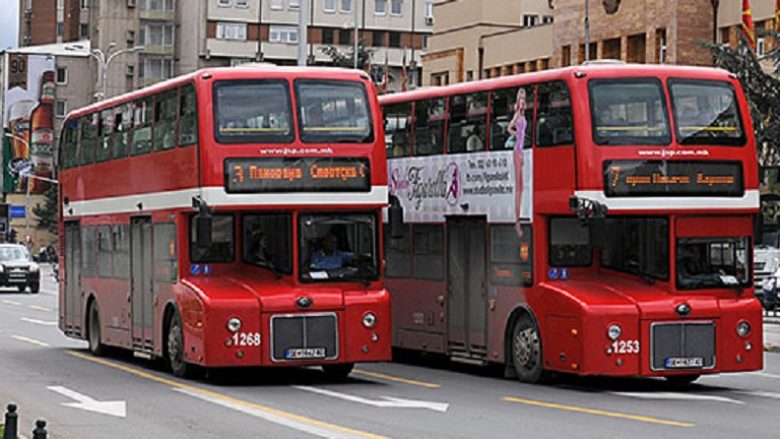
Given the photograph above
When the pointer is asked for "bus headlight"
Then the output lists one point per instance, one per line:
(614, 331)
(234, 324)
(369, 320)
(743, 329)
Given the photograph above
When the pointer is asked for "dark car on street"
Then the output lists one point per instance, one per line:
(17, 268)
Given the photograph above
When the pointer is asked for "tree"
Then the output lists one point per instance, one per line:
(762, 90)
(47, 212)
(347, 58)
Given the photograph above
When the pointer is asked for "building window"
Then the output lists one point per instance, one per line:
(157, 5)
(158, 34)
(396, 7)
(346, 5)
(529, 20)
(547, 19)
(231, 31)
(429, 10)
(223, 2)
(277, 4)
(283, 34)
(84, 4)
(242, 3)
(83, 31)
(329, 6)
(380, 7)
(566, 56)
(60, 4)
(425, 42)
(379, 38)
(327, 36)
(295, 4)
(156, 68)
(60, 28)
(725, 36)
(761, 46)
(60, 108)
(345, 36)
(62, 75)
(395, 39)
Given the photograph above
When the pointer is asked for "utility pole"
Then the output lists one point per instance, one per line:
(303, 33)
(104, 61)
(587, 33)
(357, 31)
(412, 63)
(715, 4)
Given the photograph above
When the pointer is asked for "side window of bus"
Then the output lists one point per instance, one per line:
(165, 121)
(398, 120)
(69, 158)
(468, 123)
(554, 123)
(142, 127)
(105, 129)
(105, 266)
(398, 258)
(165, 252)
(88, 249)
(188, 116)
(505, 111)
(511, 258)
(223, 244)
(88, 139)
(429, 127)
(123, 123)
(428, 251)
(569, 243)
(121, 242)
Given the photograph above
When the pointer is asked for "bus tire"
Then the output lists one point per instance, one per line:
(35, 288)
(682, 380)
(96, 347)
(337, 372)
(174, 343)
(527, 350)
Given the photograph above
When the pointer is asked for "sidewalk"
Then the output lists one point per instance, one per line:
(772, 334)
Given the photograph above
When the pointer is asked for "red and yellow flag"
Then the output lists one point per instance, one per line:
(777, 15)
(748, 29)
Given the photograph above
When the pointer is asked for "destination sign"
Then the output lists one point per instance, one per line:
(638, 178)
(297, 174)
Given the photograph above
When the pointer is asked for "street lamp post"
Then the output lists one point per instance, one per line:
(104, 61)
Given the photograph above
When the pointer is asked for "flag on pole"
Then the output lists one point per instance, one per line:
(386, 78)
(777, 15)
(404, 78)
(747, 24)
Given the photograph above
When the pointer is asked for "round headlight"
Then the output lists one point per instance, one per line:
(613, 332)
(234, 324)
(369, 320)
(743, 329)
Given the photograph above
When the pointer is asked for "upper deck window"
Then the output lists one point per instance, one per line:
(252, 111)
(629, 112)
(705, 112)
(333, 111)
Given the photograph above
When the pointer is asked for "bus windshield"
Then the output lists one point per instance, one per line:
(629, 112)
(705, 112)
(252, 111)
(333, 111)
(339, 247)
(712, 263)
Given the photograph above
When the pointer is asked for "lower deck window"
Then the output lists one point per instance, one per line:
(712, 263)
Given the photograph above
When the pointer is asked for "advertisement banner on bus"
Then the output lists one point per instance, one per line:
(486, 182)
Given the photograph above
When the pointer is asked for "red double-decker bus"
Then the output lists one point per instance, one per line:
(594, 220)
(229, 217)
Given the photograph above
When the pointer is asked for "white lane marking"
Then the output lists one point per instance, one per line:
(39, 322)
(41, 308)
(385, 402)
(677, 396)
(31, 341)
(270, 417)
(768, 375)
(761, 393)
(84, 402)
(11, 302)
(755, 374)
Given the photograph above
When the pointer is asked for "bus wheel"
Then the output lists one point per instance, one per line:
(93, 334)
(338, 372)
(682, 380)
(175, 348)
(527, 350)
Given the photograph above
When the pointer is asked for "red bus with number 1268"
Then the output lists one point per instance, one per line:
(229, 217)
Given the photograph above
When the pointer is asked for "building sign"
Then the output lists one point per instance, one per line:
(637, 178)
(297, 174)
(461, 184)
(28, 115)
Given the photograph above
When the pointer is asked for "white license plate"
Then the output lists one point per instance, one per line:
(304, 353)
(684, 362)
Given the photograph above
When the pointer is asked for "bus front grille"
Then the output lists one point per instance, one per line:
(304, 337)
(682, 346)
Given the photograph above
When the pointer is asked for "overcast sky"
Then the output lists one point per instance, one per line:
(9, 20)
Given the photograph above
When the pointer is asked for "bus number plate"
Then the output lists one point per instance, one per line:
(304, 353)
(684, 362)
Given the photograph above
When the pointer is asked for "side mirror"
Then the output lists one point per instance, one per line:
(395, 214)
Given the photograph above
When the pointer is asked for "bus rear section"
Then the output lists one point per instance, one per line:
(612, 238)
(263, 248)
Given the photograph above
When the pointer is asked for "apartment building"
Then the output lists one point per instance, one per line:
(52, 21)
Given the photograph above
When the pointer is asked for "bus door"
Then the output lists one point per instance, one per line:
(141, 284)
(72, 303)
(466, 286)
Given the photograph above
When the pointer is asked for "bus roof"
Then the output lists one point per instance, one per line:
(224, 73)
(597, 70)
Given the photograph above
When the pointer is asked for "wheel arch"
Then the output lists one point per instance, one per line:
(91, 299)
(517, 313)
(170, 309)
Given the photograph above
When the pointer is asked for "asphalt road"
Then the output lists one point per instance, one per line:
(52, 377)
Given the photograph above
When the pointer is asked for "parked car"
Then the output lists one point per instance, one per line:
(17, 269)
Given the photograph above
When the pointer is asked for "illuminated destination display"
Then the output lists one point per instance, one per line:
(638, 178)
(297, 174)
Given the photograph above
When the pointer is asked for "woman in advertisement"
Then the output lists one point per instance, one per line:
(515, 142)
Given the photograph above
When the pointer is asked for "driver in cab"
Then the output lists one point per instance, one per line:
(329, 256)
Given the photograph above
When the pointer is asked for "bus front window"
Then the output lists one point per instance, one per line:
(333, 111)
(338, 247)
(629, 112)
(252, 111)
(638, 246)
(705, 112)
(267, 242)
(712, 263)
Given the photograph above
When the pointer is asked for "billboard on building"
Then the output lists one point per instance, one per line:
(28, 120)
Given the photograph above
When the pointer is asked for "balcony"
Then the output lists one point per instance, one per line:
(157, 14)
(231, 48)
